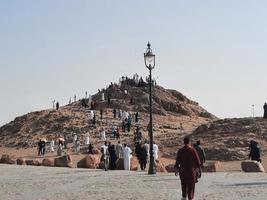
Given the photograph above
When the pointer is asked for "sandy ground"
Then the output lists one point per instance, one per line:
(30, 153)
(48, 183)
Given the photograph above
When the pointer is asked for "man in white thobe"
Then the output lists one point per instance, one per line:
(155, 151)
(52, 145)
(127, 157)
(87, 138)
(103, 135)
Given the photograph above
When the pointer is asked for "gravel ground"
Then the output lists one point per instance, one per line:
(44, 183)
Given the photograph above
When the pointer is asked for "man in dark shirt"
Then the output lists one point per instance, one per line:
(187, 164)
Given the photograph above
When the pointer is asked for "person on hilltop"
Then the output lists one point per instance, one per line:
(254, 153)
(90, 148)
(187, 166)
(101, 113)
(57, 105)
(114, 113)
(136, 117)
(87, 138)
(127, 157)
(103, 135)
(200, 152)
(265, 110)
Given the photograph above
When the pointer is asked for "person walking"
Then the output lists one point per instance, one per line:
(155, 151)
(127, 157)
(200, 152)
(87, 138)
(187, 164)
(105, 155)
(142, 157)
(254, 153)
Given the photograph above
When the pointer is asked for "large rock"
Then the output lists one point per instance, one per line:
(49, 162)
(33, 162)
(134, 163)
(211, 166)
(170, 168)
(21, 161)
(160, 166)
(7, 159)
(252, 166)
(63, 161)
(90, 161)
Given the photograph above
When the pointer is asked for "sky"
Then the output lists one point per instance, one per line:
(212, 51)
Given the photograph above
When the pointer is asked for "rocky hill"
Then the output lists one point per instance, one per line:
(228, 139)
(174, 116)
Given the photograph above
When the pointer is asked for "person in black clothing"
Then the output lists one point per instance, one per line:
(43, 148)
(40, 147)
(101, 113)
(142, 157)
(265, 110)
(94, 119)
(112, 157)
(254, 153)
(57, 105)
(136, 117)
(114, 113)
(90, 148)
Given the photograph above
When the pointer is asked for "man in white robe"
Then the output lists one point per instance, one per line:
(87, 138)
(155, 151)
(127, 157)
(103, 135)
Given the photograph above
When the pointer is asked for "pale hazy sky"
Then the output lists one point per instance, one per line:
(214, 52)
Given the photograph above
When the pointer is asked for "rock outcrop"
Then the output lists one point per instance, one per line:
(48, 162)
(252, 166)
(63, 161)
(7, 159)
(90, 161)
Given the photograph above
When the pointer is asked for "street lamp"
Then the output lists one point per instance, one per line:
(150, 64)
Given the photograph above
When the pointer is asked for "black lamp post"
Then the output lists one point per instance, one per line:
(150, 64)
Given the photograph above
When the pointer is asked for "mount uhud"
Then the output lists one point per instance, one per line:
(174, 116)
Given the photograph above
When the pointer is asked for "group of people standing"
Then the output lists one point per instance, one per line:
(111, 153)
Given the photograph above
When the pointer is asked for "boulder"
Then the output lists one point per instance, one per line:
(33, 162)
(134, 164)
(160, 166)
(252, 166)
(7, 159)
(120, 164)
(211, 166)
(90, 161)
(63, 161)
(21, 161)
(170, 168)
(49, 162)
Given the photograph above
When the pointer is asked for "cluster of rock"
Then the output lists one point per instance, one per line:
(91, 161)
(228, 139)
(165, 101)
